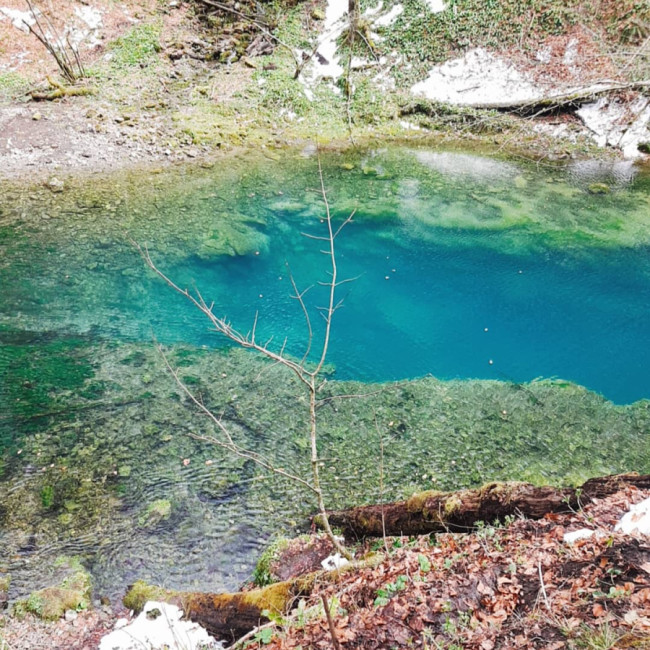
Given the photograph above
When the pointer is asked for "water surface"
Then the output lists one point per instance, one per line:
(535, 281)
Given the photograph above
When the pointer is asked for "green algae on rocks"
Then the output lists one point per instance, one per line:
(69, 590)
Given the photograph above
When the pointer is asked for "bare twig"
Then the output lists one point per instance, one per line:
(56, 46)
(542, 587)
(308, 375)
(330, 623)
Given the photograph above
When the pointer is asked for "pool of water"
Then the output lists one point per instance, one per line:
(536, 281)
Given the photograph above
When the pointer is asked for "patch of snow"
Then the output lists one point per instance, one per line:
(637, 520)
(325, 63)
(409, 126)
(335, 561)
(544, 55)
(388, 19)
(373, 11)
(574, 536)
(436, 6)
(460, 164)
(479, 77)
(166, 630)
(616, 124)
(19, 18)
(90, 20)
(90, 16)
(571, 52)
(556, 131)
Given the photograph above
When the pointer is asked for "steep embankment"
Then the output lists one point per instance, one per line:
(179, 80)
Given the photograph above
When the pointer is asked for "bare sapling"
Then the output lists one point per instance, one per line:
(63, 52)
(308, 373)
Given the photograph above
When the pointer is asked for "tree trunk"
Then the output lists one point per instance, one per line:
(568, 99)
(430, 512)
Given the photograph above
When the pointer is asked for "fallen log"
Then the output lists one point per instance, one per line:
(229, 616)
(433, 511)
(572, 98)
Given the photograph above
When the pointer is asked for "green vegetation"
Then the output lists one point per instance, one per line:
(156, 512)
(12, 85)
(263, 574)
(138, 47)
(70, 590)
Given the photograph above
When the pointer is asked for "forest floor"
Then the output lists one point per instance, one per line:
(502, 586)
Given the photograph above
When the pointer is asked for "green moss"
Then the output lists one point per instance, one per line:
(263, 575)
(12, 85)
(47, 496)
(273, 598)
(452, 505)
(140, 593)
(139, 46)
(36, 377)
(72, 592)
(155, 512)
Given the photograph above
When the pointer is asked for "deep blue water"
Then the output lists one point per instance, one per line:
(417, 308)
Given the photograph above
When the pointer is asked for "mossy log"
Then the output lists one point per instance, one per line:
(227, 617)
(430, 512)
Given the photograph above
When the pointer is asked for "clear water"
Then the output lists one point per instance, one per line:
(466, 268)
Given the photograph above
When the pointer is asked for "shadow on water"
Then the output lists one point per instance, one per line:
(479, 276)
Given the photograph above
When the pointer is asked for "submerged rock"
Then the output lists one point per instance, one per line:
(69, 590)
(155, 512)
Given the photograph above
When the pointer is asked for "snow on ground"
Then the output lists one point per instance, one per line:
(19, 19)
(388, 19)
(616, 124)
(326, 62)
(637, 520)
(157, 627)
(479, 77)
(436, 6)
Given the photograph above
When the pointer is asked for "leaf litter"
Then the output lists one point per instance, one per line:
(515, 584)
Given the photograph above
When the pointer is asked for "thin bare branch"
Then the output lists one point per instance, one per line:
(221, 325)
(229, 443)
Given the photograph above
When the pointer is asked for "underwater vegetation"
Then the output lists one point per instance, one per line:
(95, 457)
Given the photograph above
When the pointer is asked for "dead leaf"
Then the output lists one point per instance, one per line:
(598, 610)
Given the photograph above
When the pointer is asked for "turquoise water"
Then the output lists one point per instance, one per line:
(418, 308)
(465, 268)
(461, 261)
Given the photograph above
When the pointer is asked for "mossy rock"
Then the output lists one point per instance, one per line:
(140, 593)
(232, 240)
(70, 591)
(599, 188)
(155, 512)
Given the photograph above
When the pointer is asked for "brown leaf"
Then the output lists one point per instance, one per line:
(598, 610)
